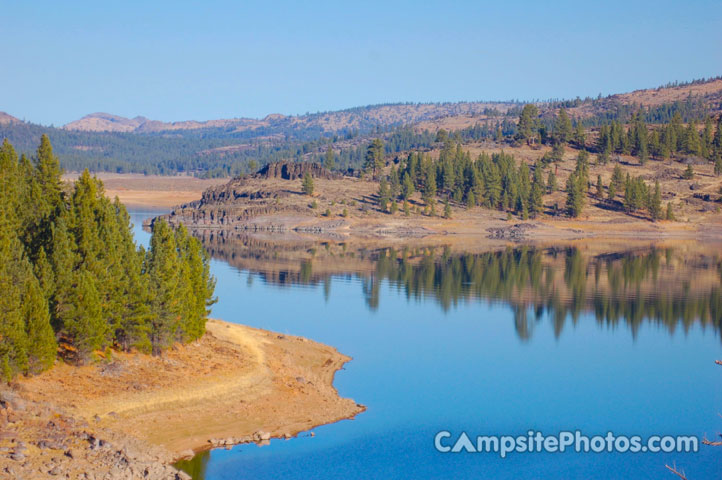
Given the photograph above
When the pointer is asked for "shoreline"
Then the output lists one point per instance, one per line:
(235, 385)
(177, 194)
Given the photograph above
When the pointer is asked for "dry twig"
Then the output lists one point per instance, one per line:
(674, 470)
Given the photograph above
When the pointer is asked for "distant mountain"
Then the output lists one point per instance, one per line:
(6, 119)
(106, 122)
(358, 118)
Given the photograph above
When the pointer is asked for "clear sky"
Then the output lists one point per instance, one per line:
(182, 60)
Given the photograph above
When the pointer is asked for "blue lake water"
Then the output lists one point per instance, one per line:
(445, 349)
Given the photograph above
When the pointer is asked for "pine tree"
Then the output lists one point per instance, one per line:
(691, 139)
(307, 184)
(82, 320)
(688, 172)
(329, 160)
(575, 195)
(552, 182)
(562, 127)
(717, 141)
(670, 213)
(600, 187)
(128, 309)
(707, 142)
(429, 191)
(163, 268)
(407, 187)
(528, 127)
(13, 333)
(536, 196)
(375, 158)
(447, 209)
(41, 343)
(384, 195)
(655, 203)
(394, 183)
(470, 200)
(617, 181)
(579, 136)
(49, 173)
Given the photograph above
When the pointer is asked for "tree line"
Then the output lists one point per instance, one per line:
(73, 280)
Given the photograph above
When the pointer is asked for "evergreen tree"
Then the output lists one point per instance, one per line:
(600, 187)
(375, 158)
(407, 187)
(69, 267)
(13, 332)
(447, 209)
(617, 181)
(688, 172)
(611, 191)
(691, 139)
(579, 136)
(670, 213)
(717, 141)
(429, 187)
(536, 200)
(655, 203)
(82, 319)
(562, 127)
(575, 195)
(199, 285)
(707, 141)
(394, 183)
(384, 195)
(307, 184)
(49, 173)
(329, 160)
(470, 200)
(163, 269)
(528, 127)
(552, 182)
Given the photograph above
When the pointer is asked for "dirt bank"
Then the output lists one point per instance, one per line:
(152, 191)
(236, 384)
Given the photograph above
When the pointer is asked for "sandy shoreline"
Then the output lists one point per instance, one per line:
(235, 382)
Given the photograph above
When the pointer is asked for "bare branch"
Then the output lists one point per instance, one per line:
(714, 444)
(674, 470)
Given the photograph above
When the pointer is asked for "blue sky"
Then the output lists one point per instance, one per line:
(181, 60)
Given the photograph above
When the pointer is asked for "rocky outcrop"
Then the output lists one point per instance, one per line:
(294, 171)
(247, 203)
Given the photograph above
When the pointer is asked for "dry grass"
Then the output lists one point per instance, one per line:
(235, 381)
(153, 191)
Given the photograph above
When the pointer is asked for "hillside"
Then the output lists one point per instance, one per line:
(346, 207)
(359, 118)
(230, 147)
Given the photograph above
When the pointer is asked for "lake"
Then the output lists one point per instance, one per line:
(486, 342)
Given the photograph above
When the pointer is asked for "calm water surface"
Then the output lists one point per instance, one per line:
(490, 343)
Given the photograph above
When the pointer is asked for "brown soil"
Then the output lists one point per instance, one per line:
(152, 191)
(233, 383)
